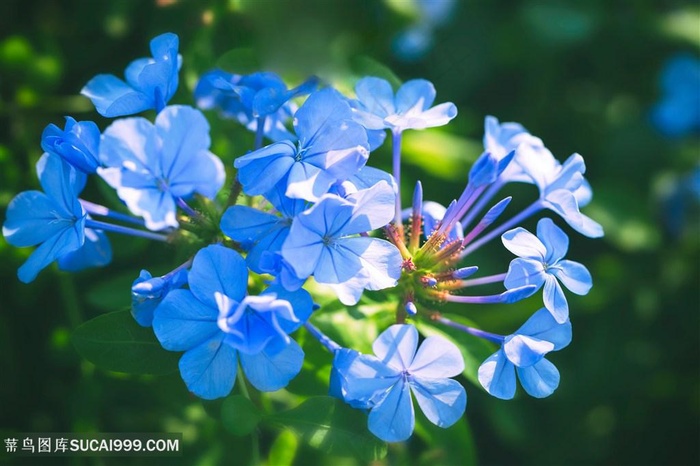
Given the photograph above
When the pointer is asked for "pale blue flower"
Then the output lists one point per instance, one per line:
(148, 291)
(523, 353)
(150, 82)
(216, 324)
(387, 382)
(323, 241)
(151, 166)
(541, 263)
(377, 108)
(53, 219)
(331, 148)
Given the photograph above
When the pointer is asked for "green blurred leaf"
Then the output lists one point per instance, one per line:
(453, 445)
(239, 61)
(363, 65)
(115, 342)
(283, 449)
(113, 294)
(333, 427)
(439, 153)
(474, 350)
(239, 415)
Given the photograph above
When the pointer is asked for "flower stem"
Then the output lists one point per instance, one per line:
(102, 211)
(322, 338)
(96, 225)
(254, 438)
(484, 280)
(498, 339)
(396, 164)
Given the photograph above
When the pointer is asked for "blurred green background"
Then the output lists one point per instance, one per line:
(580, 75)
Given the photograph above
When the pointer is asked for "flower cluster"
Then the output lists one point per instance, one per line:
(306, 208)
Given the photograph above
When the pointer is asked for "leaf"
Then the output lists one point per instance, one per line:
(239, 61)
(363, 65)
(423, 148)
(112, 294)
(333, 427)
(239, 415)
(474, 350)
(283, 449)
(115, 342)
(453, 445)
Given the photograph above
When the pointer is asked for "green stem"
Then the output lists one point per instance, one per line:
(255, 437)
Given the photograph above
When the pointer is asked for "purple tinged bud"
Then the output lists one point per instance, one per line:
(504, 162)
(496, 211)
(465, 272)
(411, 309)
(484, 171)
(429, 281)
(417, 199)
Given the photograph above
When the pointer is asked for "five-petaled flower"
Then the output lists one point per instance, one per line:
(152, 166)
(385, 382)
(216, 324)
(542, 262)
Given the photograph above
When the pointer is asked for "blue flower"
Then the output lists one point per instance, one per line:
(541, 262)
(78, 143)
(152, 166)
(376, 107)
(678, 112)
(96, 251)
(150, 82)
(250, 98)
(523, 353)
(331, 148)
(53, 218)
(147, 292)
(500, 139)
(216, 325)
(261, 232)
(323, 241)
(386, 383)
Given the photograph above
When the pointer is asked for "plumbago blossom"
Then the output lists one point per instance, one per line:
(305, 215)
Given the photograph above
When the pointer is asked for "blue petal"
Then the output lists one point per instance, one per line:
(539, 380)
(67, 240)
(217, 269)
(112, 97)
(132, 141)
(269, 244)
(29, 219)
(523, 272)
(574, 276)
(302, 249)
(542, 325)
(308, 182)
(443, 401)
(320, 114)
(437, 358)
(564, 203)
(396, 346)
(272, 372)
(362, 380)
(554, 299)
(185, 160)
(372, 208)
(275, 161)
(301, 302)
(157, 207)
(554, 240)
(524, 244)
(96, 251)
(497, 376)
(62, 183)
(209, 370)
(415, 93)
(376, 96)
(246, 224)
(524, 351)
(182, 322)
(393, 419)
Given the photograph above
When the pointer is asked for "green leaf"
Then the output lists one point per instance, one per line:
(239, 61)
(115, 342)
(239, 415)
(455, 153)
(283, 449)
(363, 65)
(474, 350)
(112, 294)
(333, 427)
(453, 445)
